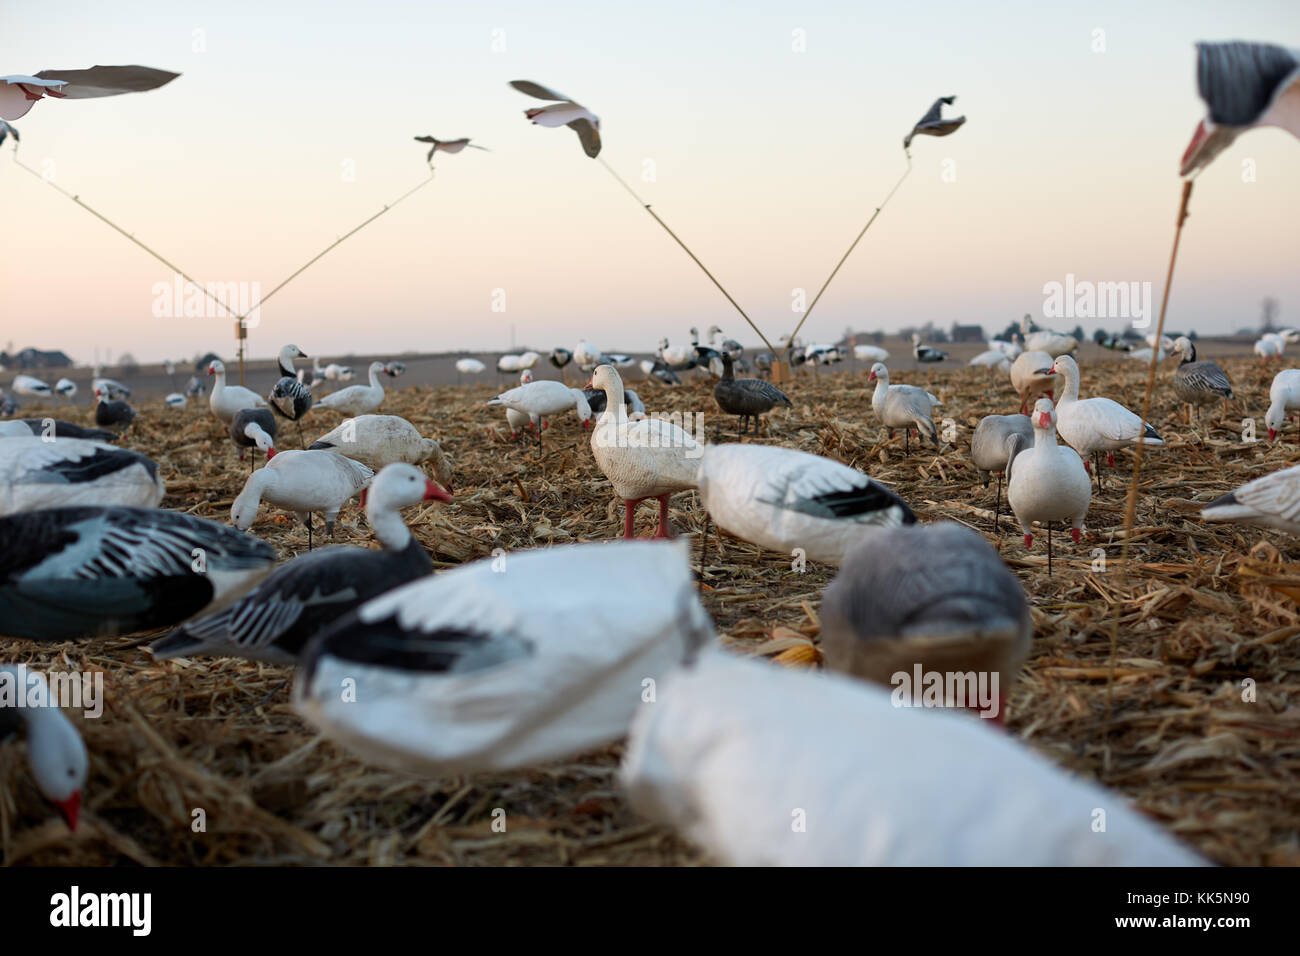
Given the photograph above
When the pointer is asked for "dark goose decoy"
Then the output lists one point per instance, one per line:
(597, 398)
(1244, 85)
(783, 499)
(62, 429)
(747, 398)
(1108, 340)
(112, 414)
(68, 573)
(997, 440)
(1272, 501)
(452, 146)
(660, 372)
(56, 753)
(289, 397)
(1199, 383)
(254, 428)
(933, 122)
(482, 669)
(924, 353)
(302, 596)
(935, 595)
(36, 473)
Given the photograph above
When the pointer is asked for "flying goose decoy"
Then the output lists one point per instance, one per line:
(1244, 85)
(19, 93)
(1283, 399)
(452, 146)
(565, 112)
(933, 122)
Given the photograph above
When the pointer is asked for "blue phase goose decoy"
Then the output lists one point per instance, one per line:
(934, 595)
(1048, 482)
(1199, 383)
(254, 428)
(56, 753)
(32, 387)
(1244, 85)
(68, 573)
(747, 398)
(933, 122)
(782, 499)
(302, 596)
(359, 399)
(762, 765)
(505, 662)
(289, 397)
(112, 414)
(924, 353)
(36, 473)
(997, 440)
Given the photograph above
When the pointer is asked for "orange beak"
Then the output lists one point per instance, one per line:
(70, 809)
(434, 493)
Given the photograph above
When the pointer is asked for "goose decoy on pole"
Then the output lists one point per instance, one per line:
(18, 93)
(452, 146)
(933, 122)
(564, 112)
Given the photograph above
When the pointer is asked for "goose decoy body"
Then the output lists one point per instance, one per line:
(747, 398)
(563, 112)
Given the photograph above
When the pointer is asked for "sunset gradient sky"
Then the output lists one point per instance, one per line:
(767, 160)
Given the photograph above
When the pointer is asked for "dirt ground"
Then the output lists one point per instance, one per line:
(1197, 610)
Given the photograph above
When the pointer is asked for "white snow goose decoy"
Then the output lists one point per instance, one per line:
(1048, 483)
(992, 359)
(997, 440)
(35, 473)
(736, 752)
(254, 428)
(176, 401)
(1031, 377)
(476, 670)
(519, 422)
(18, 93)
(1199, 383)
(1269, 502)
(224, 399)
(31, 387)
(545, 398)
(564, 112)
(924, 353)
(111, 414)
(289, 397)
(1268, 349)
(68, 573)
(1244, 85)
(56, 753)
(304, 595)
(902, 406)
(1093, 425)
(358, 399)
(1283, 399)
(783, 499)
(746, 398)
(932, 598)
(302, 482)
(469, 366)
(870, 353)
(66, 387)
(651, 458)
(1045, 340)
(378, 441)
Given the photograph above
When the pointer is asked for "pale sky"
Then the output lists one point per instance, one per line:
(767, 161)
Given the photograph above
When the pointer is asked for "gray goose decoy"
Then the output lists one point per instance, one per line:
(935, 596)
(995, 444)
(1199, 383)
(747, 398)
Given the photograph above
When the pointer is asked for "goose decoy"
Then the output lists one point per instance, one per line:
(66, 387)
(18, 93)
(560, 358)
(660, 372)
(545, 398)
(62, 429)
(747, 398)
(782, 499)
(378, 441)
(304, 595)
(68, 573)
(302, 482)
(395, 369)
(1107, 340)
(1048, 482)
(56, 753)
(997, 440)
(924, 353)
(452, 146)
(224, 399)
(36, 473)
(1093, 425)
(1244, 85)
(176, 400)
(564, 112)
(468, 366)
(1283, 399)
(111, 414)
(933, 596)
(473, 669)
(902, 406)
(254, 428)
(289, 397)
(1198, 383)
(933, 122)
(631, 402)
(870, 353)
(31, 387)
(1269, 502)
(1045, 340)
(518, 421)
(359, 399)
(651, 458)
(737, 752)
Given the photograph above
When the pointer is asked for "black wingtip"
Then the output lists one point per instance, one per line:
(320, 444)
(1229, 499)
